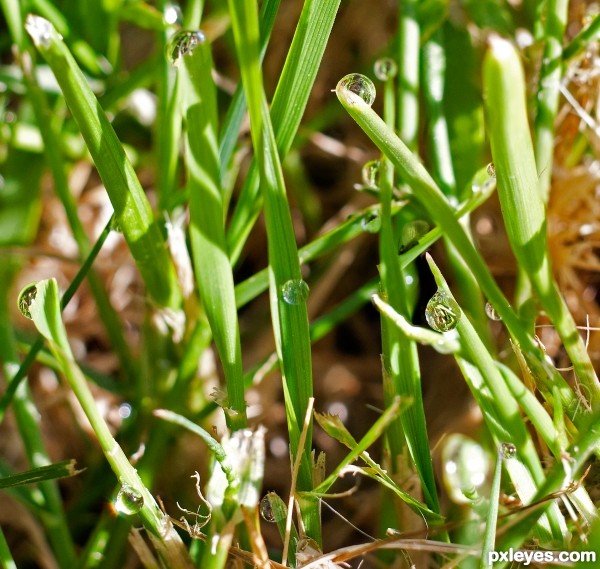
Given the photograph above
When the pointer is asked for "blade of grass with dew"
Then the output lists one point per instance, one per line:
(288, 292)
(55, 159)
(16, 380)
(290, 99)
(26, 415)
(213, 270)
(548, 94)
(500, 410)
(432, 199)
(41, 303)
(132, 208)
(522, 205)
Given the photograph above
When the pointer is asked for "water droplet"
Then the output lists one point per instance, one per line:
(442, 312)
(295, 291)
(385, 69)
(40, 30)
(370, 174)
(491, 312)
(26, 297)
(491, 170)
(508, 450)
(266, 510)
(411, 233)
(173, 14)
(359, 85)
(129, 500)
(371, 223)
(183, 43)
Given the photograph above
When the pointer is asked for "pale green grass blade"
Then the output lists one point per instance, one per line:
(522, 205)
(548, 94)
(41, 303)
(211, 261)
(132, 208)
(492, 516)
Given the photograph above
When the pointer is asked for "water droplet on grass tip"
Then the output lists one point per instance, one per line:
(370, 173)
(442, 312)
(295, 291)
(359, 85)
(371, 223)
(26, 297)
(183, 43)
(491, 170)
(385, 69)
(491, 312)
(508, 450)
(266, 510)
(40, 30)
(129, 500)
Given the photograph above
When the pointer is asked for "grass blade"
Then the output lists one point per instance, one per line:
(132, 209)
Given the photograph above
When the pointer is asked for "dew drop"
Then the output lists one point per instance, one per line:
(183, 43)
(370, 173)
(40, 30)
(442, 312)
(491, 170)
(359, 85)
(26, 297)
(411, 233)
(371, 223)
(508, 450)
(295, 291)
(491, 312)
(266, 510)
(173, 14)
(385, 69)
(129, 501)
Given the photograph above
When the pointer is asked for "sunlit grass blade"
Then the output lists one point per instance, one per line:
(492, 515)
(132, 209)
(522, 204)
(211, 260)
(288, 292)
(287, 108)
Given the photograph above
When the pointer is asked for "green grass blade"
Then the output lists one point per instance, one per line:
(489, 537)
(132, 208)
(287, 108)
(288, 292)
(213, 269)
(63, 469)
